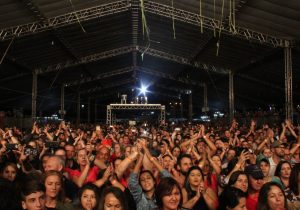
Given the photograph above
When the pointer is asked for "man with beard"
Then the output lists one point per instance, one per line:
(184, 163)
(277, 156)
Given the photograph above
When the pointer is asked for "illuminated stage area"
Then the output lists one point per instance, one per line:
(111, 107)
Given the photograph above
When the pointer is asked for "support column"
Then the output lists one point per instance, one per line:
(108, 115)
(62, 102)
(78, 110)
(89, 110)
(191, 106)
(205, 101)
(95, 111)
(181, 106)
(231, 96)
(34, 95)
(288, 81)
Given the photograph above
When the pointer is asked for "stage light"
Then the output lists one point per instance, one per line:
(143, 89)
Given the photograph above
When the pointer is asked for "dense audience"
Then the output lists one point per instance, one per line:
(151, 167)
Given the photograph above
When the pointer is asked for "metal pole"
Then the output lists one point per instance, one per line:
(231, 96)
(95, 112)
(78, 110)
(62, 102)
(181, 106)
(89, 110)
(34, 95)
(205, 103)
(191, 106)
(288, 81)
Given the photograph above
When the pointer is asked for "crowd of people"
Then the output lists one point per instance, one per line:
(151, 167)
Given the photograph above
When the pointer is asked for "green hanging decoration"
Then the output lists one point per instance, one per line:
(218, 46)
(144, 27)
(77, 16)
(144, 22)
(201, 17)
(220, 28)
(233, 16)
(173, 20)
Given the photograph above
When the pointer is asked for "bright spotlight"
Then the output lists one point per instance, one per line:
(143, 89)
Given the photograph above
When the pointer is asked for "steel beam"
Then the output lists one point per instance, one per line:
(182, 60)
(167, 87)
(231, 96)
(89, 110)
(170, 77)
(65, 19)
(190, 115)
(62, 102)
(288, 81)
(86, 59)
(34, 95)
(211, 24)
(100, 76)
(95, 89)
(134, 28)
(78, 110)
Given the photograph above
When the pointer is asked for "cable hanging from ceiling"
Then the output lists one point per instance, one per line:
(74, 10)
(220, 28)
(201, 17)
(173, 20)
(145, 28)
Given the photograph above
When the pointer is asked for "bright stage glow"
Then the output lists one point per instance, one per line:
(143, 89)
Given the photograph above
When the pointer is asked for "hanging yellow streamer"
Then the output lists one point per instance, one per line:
(174, 32)
(220, 29)
(201, 18)
(233, 16)
(144, 23)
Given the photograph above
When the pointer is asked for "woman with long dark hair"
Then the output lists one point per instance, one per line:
(239, 179)
(195, 194)
(232, 199)
(272, 197)
(283, 171)
(88, 197)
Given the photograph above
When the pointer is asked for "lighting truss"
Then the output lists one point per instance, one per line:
(112, 107)
(210, 23)
(181, 60)
(111, 85)
(100, 76)
(65, 19)
(170, 77)
(86, 59)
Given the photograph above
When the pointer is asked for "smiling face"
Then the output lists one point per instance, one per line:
(171, 201)
(53, 186)
(147, 182)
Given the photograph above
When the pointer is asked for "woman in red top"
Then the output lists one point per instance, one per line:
(86, 173)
